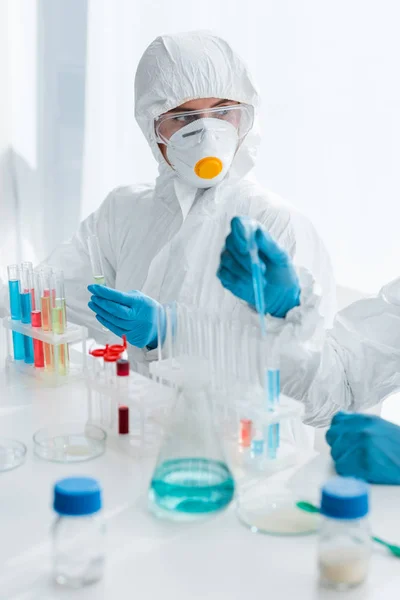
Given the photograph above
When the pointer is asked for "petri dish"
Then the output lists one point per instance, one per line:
(274, 512)
(12, 454)
(70, 442)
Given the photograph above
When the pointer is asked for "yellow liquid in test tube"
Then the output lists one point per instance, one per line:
(58, 322)
(58, 319)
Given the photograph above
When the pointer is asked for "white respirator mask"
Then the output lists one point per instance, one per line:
(201, 145)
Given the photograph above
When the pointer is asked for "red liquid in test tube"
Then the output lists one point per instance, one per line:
(38, 353)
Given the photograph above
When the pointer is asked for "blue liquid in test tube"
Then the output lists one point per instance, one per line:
(15, 310)
(273, 385)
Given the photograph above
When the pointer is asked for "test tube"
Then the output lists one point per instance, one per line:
(123, 373)
(15, 310)
(245, 433)
(45, 304)
(29, 267)
(123, 420)
(273, 386)
(57, 301)
(110, 375)
(257, 448)
(36, 318)
(96, 260)
(26, 307)
(58, 314)
(110, 367)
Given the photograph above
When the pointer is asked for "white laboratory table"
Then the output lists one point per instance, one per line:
(217, 559)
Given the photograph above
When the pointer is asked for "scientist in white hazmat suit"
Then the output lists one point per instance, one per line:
(196, 104)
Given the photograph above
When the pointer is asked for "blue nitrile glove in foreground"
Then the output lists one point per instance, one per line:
(126, 313)
(365, 446)
(280, 282)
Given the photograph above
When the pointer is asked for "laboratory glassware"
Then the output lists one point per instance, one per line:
(36, 318)
(272, 375)
(269, 507)
(14, 287)
(191, 479)
(26, 307)
(58, 319)
(78, 532)
(69, 442)
(12, 454)
(344, 537)
(123, 420)
(45, 306)
(96, 260)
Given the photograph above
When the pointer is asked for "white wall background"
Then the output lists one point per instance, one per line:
(328, 75)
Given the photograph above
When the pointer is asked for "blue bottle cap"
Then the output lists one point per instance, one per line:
(344, 498)
(77, 496)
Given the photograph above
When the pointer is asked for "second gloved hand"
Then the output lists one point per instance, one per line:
(365, 446)
(280, 281)
(126, 313)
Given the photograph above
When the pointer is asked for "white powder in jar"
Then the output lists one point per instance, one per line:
(344, 566)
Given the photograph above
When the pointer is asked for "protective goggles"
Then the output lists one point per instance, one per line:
(241, 116)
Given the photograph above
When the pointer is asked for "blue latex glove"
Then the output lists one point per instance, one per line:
(365, 446)
(280, 282)
(126, 313)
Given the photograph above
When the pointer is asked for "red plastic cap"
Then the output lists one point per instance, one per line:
(119, 347)
(123, 420)
(99, 352)
(111, 357)
(122, 367)
(36, 318)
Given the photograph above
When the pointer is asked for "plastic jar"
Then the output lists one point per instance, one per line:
(344, 540)
(78, 532)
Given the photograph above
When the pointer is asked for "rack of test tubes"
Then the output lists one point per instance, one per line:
(241, 368)
(132, 409)
(38, 335)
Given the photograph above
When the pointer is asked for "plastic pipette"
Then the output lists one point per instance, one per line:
(256, 272)
(272, 382)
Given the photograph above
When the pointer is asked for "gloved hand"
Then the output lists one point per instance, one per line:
(365, 446)
(129, 313)
(280, 283)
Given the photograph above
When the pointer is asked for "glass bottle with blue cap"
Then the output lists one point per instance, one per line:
(344, 542)
(78, 532)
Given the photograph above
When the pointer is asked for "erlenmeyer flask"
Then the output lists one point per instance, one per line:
(191, 479)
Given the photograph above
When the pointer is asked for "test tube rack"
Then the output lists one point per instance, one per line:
(148, 403)
(230, 406)
(53, 375)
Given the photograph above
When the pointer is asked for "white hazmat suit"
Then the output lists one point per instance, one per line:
(165, 239)
(357, 362)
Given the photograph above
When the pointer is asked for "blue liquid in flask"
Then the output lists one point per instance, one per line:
(190, 487)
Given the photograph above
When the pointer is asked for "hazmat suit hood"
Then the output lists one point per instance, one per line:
(187, 66)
